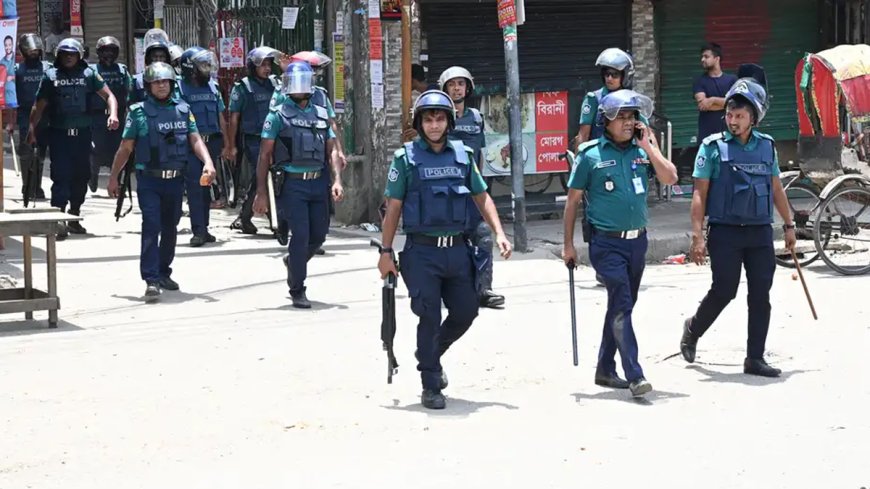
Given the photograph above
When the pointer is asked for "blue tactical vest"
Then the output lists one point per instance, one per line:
(166, 146)
(203, 101)
(115, 77)
(256, 104)
(597, 129)
(469, 130)
(27, 80)
(138, 89)
(741, 194)
(437, 196)
(319, 97)
(302, 140)
(70, 96)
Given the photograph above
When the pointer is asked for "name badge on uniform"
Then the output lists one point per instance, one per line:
(638, 185)
(605, 164)
(608, 185)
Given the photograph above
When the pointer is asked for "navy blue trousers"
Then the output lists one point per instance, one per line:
(70, 167)
(303, 204)
(730, 248)
(199, 197)
(106, 142)
(160, 203)
(620, 263)
(252, 152)
(434, 274)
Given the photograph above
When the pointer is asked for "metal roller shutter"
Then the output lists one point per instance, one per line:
(773, 33)
(105, 18)
(27, 16)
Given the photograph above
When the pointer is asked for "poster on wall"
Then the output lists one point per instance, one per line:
(9, 34)
(338, 71)
(9, 8)
(75, 18)
(391, 9)
(232, 52)
(544, 117)
(139, 45)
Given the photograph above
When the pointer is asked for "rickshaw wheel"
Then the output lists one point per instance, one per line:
(842, 231)
(803, 200)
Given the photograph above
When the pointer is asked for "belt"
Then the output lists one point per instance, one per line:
(73, 131)
(629, 234)
(309, 175)
(164, 174)
(439, 241)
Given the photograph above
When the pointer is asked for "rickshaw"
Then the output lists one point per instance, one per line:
(830, 194)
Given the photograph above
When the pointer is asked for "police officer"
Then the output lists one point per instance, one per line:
(120, 82)
(175, 52)
(204, 97)
(65, 90)
(617, 72)
(249, 106)
(736, 186)
(612, 172)
(429, 184)
(457, 83)
(160, 134)
(157, 45)
(298, 136)
(28, 74)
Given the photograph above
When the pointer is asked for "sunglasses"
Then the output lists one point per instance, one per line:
(612, 74)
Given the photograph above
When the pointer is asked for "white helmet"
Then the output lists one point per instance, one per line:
(456, 72)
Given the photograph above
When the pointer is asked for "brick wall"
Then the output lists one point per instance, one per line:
(643, 47)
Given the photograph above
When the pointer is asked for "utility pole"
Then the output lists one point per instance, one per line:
(406, 64)
(507, 20)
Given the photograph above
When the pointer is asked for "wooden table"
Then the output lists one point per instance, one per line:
(29, 223)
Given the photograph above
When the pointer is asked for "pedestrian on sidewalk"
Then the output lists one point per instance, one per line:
(612, 172)
(709, 91)
(737, 186)
(429, 184)
(160, 134)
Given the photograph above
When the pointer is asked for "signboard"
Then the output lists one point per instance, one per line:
(391, 9)
(544, 117)
(288, 19)
(75, 18)
(338, 72)
(139, 45)
(9, 34)
(232, 52)
(507, 13)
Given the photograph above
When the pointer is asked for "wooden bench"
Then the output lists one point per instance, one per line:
(28, 223)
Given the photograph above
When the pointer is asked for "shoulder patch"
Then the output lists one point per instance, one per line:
(393, 175)
(588, 144)
(713, 137)
(399, 153)
(267, 125)
(764, 136)
(136, 106)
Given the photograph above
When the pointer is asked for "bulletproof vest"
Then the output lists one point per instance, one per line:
(741, 194)
(70, 96)
(27, 80)
(597, 128)
(319, 97)
(437, 196)
(469, 130)
(257, 104)
(115, 77)
(302, 140)
(138, 89)
(203, 101)
(165, 147)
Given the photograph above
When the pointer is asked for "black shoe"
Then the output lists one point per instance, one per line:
(152, 292)
(688, 342)
(300, 301)
(62, 232)
(319, 251)
(757, 366)
(75, 227)
(196, 241)
(39, 193)
(610, 380)
(209, 238)
(168, 284)
(490, 299)
(600, 280)
(244, 225)
(443, 383)
(640, 387)
(433, 399)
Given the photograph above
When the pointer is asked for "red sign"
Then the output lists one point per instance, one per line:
(507, 13)
(549, 147)
(75, 18)
(376, 50)
(551, 111)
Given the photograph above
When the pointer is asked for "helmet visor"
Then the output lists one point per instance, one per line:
(613, 103)
(297, 83)
(204, 62)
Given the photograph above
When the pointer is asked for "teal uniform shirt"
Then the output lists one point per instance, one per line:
(94, 83)
(278, 98)
(589, 109)
(707, 161)
(273, 125)
(136, 124)
(615, 181)
(399, 176)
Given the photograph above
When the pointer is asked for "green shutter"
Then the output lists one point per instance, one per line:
(772, 33)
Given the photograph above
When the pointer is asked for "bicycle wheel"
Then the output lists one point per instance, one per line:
(842, 231)
(803, 200)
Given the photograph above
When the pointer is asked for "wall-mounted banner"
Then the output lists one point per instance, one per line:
(9, 34)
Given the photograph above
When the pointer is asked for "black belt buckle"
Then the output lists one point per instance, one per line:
(445, 241)
(72, 132)
(310, 175)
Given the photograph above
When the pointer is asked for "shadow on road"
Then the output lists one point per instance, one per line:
(457, 408)
(741, 378)
(35, 326)
(624, 395)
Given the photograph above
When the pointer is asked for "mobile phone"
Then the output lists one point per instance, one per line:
(638, 134)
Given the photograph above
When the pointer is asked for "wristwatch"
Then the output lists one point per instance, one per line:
(390, 250)
(786, 227)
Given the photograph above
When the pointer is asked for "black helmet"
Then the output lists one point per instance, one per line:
(434, 100)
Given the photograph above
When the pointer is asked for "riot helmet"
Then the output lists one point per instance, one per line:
(259, 55)
(751, 91)
(108, 49)
(298, 79)
(30, 44)
(618, 60)
(175, 52)
(160, 48)
(619, 100)
(456, 72)
(433, 100)
(158, 71)
(68, 46)
(197, 63)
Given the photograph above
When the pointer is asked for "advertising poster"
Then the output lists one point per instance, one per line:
(75, 18)
(9, 34)
(338, 71)
(232, 52)
(9, 8)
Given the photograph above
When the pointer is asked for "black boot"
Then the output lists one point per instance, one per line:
(688, 342)
(300, 300)
(490, 299)
(757, 366)
(610, 380)
(152, 292)
(433, 399)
